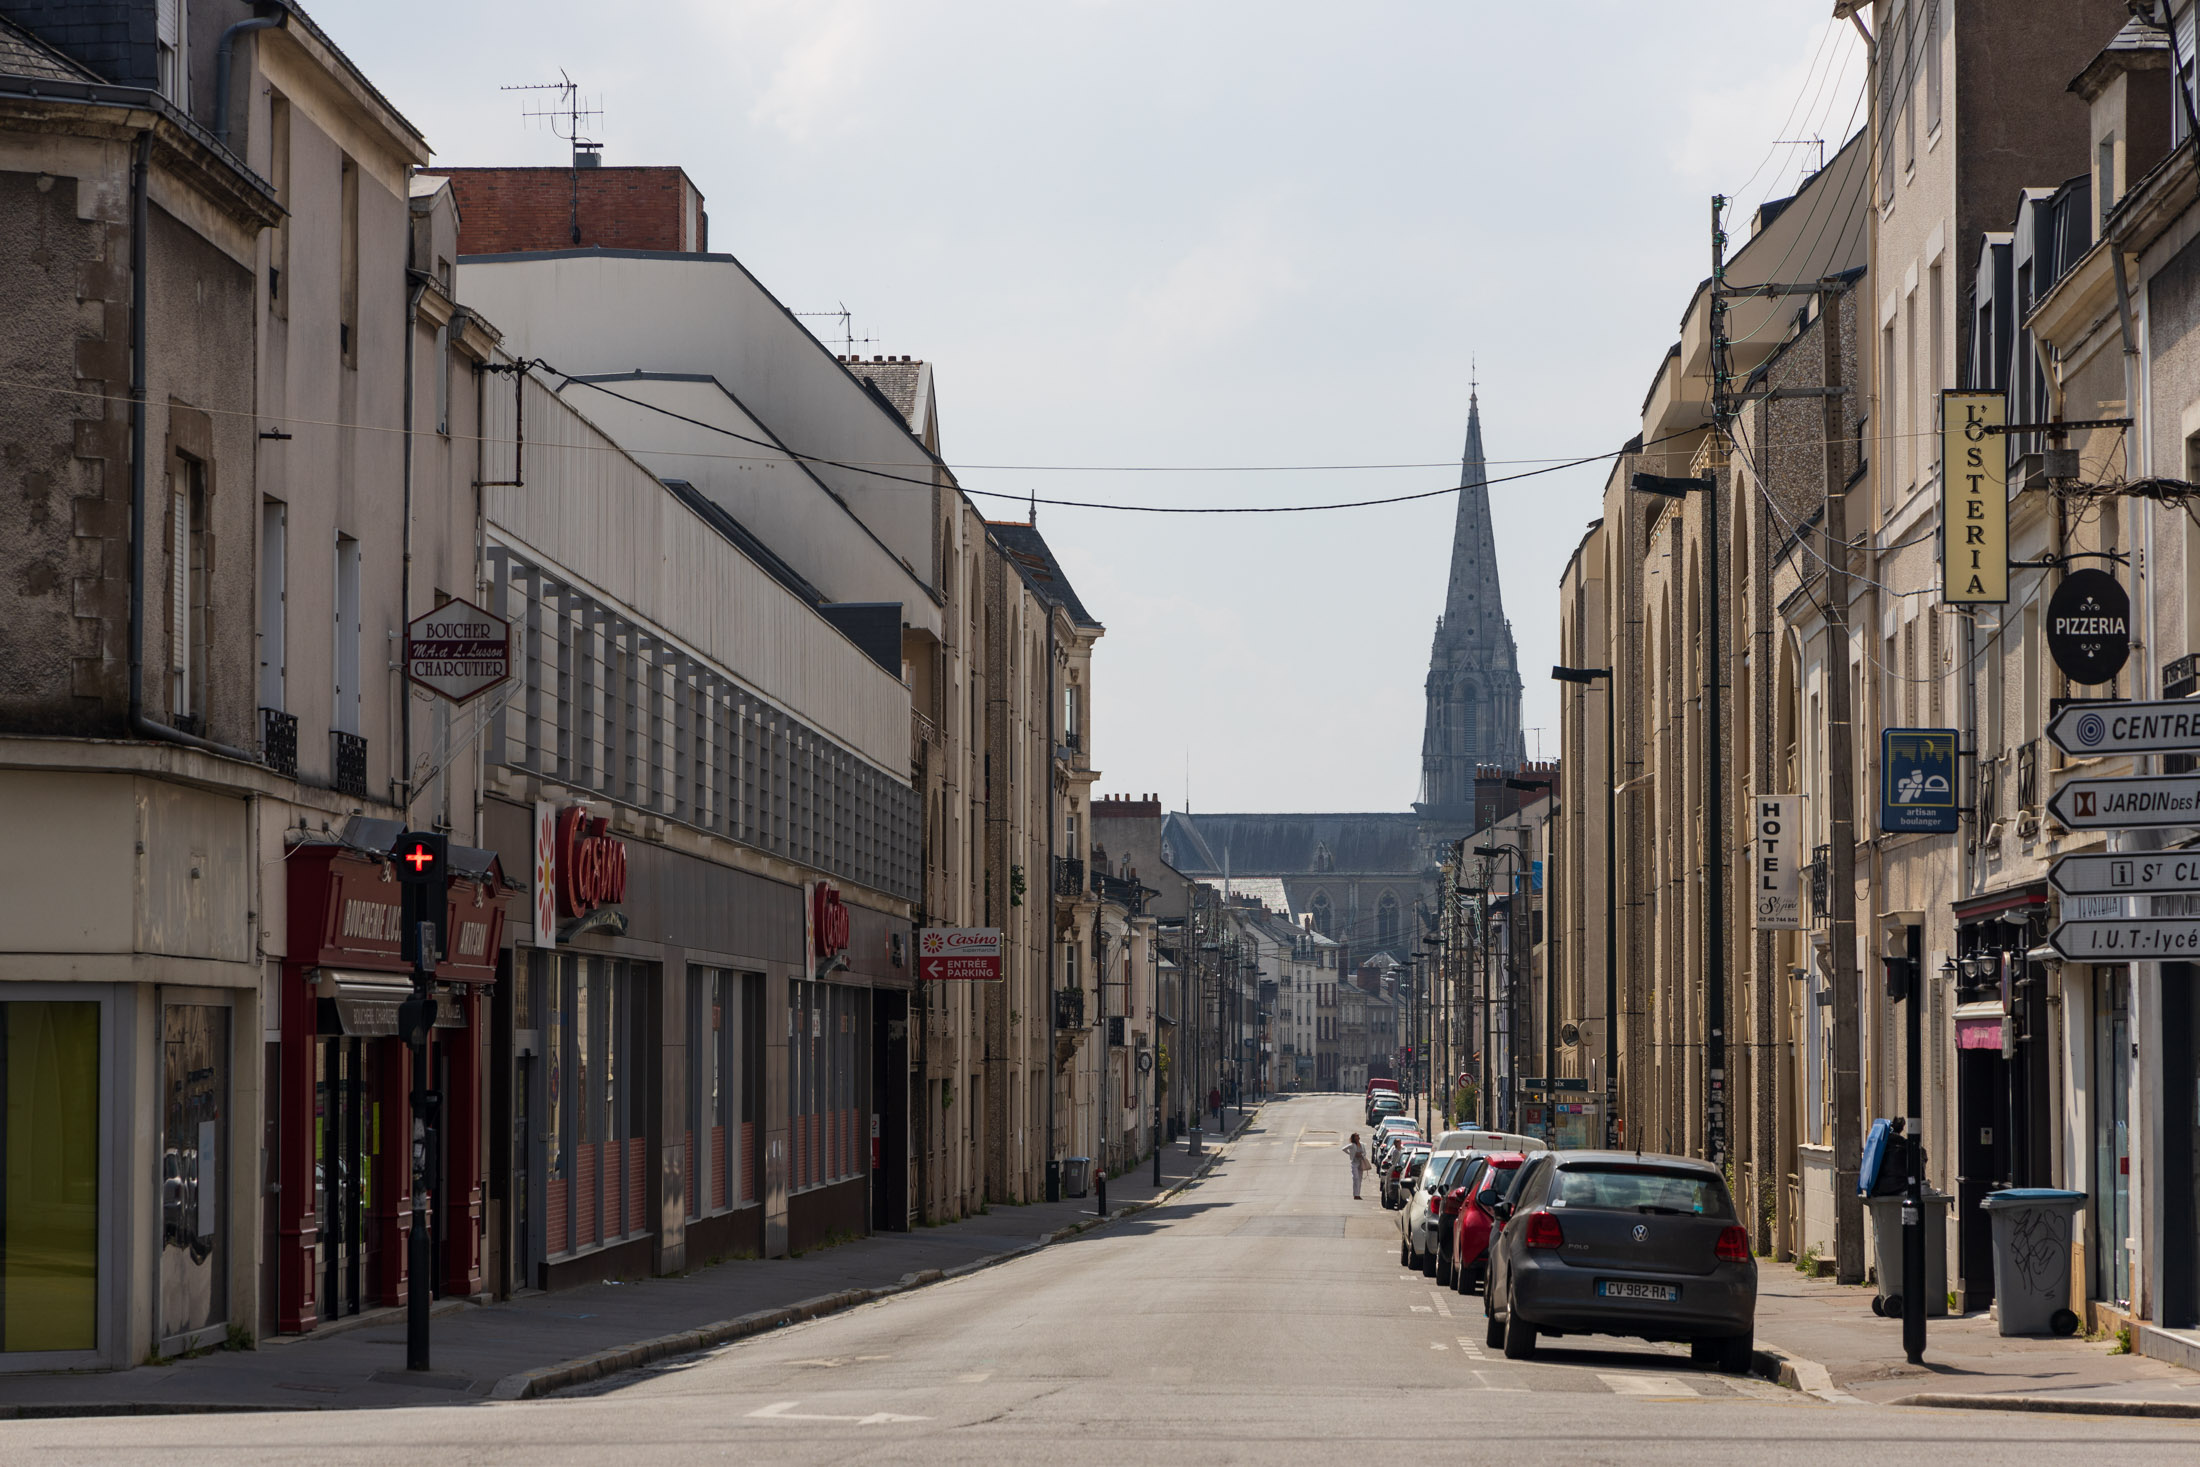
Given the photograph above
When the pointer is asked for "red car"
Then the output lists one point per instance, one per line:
(1470, 1241)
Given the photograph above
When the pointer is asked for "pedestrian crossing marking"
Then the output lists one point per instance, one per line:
(1441, 1307)
(1649, 1385)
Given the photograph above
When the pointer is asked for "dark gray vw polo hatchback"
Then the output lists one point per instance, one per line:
(1623, 1243)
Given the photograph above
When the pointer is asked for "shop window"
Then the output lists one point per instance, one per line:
(49, 1176)
(721, 1125)
(596, 1169)
(828, 1026)
(194, 1169)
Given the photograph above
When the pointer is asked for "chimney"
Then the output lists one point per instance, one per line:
(587, 155)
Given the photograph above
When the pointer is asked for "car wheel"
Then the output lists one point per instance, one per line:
(1428, 1265)
(1736, 1355)
(1443, 1270)
(1704, 1352)
(1405, 1254)
(1494, 1334)
(1519, 1339)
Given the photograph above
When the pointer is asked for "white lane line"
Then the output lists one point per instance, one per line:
(1471, 1348)
(976, 1377)
(1648, 1385)
(784, 1411)
(1441, 1307)
(1484, 1377)
(1422, 1308)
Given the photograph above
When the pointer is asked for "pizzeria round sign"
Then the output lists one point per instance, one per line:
(2089, 627)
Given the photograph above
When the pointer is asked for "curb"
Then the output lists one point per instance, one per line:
(1797, 1374)
(528, 1385)
(2061, 1405)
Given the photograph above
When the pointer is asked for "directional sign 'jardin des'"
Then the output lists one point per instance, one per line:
(2114, 804)
(2127, 728)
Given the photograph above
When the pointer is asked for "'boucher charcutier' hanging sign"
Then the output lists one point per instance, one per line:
(458, 650)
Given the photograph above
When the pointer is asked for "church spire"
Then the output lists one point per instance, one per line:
(1473, 676)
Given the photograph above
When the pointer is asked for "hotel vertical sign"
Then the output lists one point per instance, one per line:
(1974, 499)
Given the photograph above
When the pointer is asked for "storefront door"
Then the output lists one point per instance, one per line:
(347, 1140)
(194, 1172)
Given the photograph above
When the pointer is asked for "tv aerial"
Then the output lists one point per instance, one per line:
(565, 116)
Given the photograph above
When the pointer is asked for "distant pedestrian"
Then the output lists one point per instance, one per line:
(1356, 1154)
(1214, 1103)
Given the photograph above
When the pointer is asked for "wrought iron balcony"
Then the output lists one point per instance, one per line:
(1120, 889)
(1069, 1008)
(279, 742)
(1069, 876)
(348, 760)
(1820, 872)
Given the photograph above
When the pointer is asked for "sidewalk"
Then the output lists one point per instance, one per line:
(544, 1342)
(1818, 1323)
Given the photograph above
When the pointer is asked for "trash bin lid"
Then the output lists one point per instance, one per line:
(2029, 1197)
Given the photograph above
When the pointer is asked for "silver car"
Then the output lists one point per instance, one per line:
(1622, 1243)
(1423, 1219)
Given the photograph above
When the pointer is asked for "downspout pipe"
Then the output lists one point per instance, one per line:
(405, 572)
(141, 212)
(224, 58)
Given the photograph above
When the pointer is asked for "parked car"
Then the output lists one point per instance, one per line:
(1389, 1128)
(1422, 1217)
(1622, 1243)
(1384, 1103)
(1404, 1170)
(1391, 1141)
(1475, 1220)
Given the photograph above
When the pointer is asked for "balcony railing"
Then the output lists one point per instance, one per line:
(1069, 876)
(348, 758)
(1821, 883)
(1121, 889)
(279, 742)
(1069, 1008)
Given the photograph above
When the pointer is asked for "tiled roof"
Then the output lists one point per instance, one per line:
(23, 54)
(1041, 571)
(896, 381)
(1297, 845)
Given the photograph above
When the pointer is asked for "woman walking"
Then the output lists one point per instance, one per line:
(1356, 1154)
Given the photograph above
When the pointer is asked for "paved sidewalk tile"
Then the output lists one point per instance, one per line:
(474, 1348)
(1833, 1325)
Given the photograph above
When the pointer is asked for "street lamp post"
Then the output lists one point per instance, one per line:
(1512, 941)
(1714, 811)
(1586, 675)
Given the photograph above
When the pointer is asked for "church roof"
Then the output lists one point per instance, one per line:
(1035, 562)
(1296, 845)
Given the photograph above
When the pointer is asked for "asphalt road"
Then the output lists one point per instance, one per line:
(1260, 1318)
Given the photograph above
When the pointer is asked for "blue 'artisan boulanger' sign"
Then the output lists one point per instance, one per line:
(1917, 780)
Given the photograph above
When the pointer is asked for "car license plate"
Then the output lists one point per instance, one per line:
(1629, 1289)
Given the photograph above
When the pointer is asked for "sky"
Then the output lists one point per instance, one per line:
(1197, 236)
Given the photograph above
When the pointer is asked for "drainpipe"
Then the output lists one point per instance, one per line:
(405, 572)
(141, 167)
(224, 55)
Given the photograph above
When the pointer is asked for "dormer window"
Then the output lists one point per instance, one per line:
(172, 63)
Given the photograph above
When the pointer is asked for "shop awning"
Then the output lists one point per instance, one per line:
(1978, 1025)
(366, 1003)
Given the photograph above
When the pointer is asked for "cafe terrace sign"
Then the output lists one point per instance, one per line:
(458, 651)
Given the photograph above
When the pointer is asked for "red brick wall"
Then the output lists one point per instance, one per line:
(512, 210)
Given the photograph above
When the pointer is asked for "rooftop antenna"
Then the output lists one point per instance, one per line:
(565, 116)
(1818, 143)
(849, 341)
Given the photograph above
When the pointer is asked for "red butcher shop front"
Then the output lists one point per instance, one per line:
(343, 1112)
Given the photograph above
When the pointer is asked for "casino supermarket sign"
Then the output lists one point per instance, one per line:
(591, 866)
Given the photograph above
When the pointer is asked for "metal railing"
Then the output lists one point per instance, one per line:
(1069, 876)
(1069, 1008)
(1121, 889)
(1820, 871)
(348, 760)
(279, 742)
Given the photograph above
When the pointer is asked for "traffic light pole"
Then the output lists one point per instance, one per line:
(1913, 1197)
(422, 884)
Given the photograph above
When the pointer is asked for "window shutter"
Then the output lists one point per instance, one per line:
(169, 20)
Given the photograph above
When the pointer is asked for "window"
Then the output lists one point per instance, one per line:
(1932, 69)
(346, 714)
(1912, 451)
(278, 169)
(1386, 921)
(1071, 850)
(2031, 652)
(1936, 367)
(187, 584)
(50, 1156)
(171, 56)
(1072, 719)
(721, 1128)
(274, 528)
(347, 307)
(598, 1155)
(1323, 915)
(828, 1031)
(194, 1263)
(1907, 47)
(1890, 72)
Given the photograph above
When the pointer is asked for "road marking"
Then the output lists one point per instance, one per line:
(784, 1411)
(1438, 1345)
(1648, 1385)
(975, 1377)
(1423, 1309)
(1471, 1348)
(1484, 1377)
(1441, 1307)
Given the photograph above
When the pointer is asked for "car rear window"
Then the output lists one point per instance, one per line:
(1643, 1189)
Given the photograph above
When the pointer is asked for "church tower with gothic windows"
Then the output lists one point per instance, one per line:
(1473, 668)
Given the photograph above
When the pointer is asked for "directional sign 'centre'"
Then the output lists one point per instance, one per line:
(947, 953)
(458, 650)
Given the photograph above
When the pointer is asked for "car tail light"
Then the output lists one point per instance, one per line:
(1434, 1201)
(1453, 1201)
(1544, 1231)
(1734, 1245)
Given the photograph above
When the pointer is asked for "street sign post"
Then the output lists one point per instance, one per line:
(2171, 727)
(2140, 873)
(2128, 939)
(458, 650)
(2123, 804)
(947, 954)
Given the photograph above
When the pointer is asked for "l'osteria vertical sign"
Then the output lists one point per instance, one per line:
(1974, 498)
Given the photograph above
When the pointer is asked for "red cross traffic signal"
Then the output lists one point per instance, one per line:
(421, 856)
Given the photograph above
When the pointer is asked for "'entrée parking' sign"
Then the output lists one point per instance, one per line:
(458, 650)
(949, 953)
